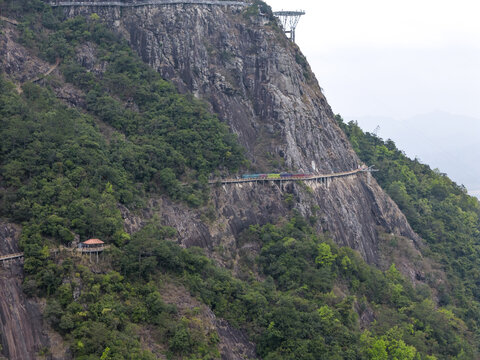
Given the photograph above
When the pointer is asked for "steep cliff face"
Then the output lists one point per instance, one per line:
(259, 83)
(253, 77)
(21, 331)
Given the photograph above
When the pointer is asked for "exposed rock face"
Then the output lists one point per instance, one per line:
(350, 209)
(259, 83)
(254, 79)
(20, 66)
(15, 61)
(21, 333)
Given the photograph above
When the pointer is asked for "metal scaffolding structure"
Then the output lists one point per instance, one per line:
(289, 20)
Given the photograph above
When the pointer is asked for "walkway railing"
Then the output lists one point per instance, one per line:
(11, 256)
(86, 250)
(313, 177)
(148, 2)
(56, 250)
(293, 178)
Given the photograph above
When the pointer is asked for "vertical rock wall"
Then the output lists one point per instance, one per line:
(251, 75)
(21, 325)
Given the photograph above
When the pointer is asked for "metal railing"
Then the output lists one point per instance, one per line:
(147, 2)
(85, 250)
(292, 178)
(11, 256)
(92, 249)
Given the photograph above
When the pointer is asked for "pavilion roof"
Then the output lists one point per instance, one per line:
(93, 242)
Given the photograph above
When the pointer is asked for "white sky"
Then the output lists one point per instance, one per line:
(395, 59)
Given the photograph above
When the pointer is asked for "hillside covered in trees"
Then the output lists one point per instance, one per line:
(68, 168)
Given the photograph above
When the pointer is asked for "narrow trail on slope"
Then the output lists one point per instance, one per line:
(18, 86)
(39, 77)
(49, 71)
(10, 21)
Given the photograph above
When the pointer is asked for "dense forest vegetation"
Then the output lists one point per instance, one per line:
(306, 306)
(61, 175)
(440, 211)
(299, 297)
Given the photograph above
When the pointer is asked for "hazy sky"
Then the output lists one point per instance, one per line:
(393, 58)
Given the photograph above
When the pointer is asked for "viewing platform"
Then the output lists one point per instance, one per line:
(92, 246)
(93, 250)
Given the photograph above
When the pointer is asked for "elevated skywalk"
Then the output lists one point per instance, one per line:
(11, 256)
(92, 250)
(310, 177)
(147, 2)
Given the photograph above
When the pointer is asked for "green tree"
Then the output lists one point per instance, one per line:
(325, 256)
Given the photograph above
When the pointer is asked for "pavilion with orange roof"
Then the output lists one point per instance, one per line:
(91, 244)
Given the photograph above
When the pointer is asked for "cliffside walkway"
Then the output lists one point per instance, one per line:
(48, 72)
(11, 256)
(148, 2)
(19, 255)
(313, 177)
(39, 77)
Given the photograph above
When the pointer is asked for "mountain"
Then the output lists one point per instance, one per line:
(263, 88)
(446, 141)
(120, 121)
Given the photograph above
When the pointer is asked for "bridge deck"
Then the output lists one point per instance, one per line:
(313, 177)
(148, 2)
(11, 256)
(83, 251)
